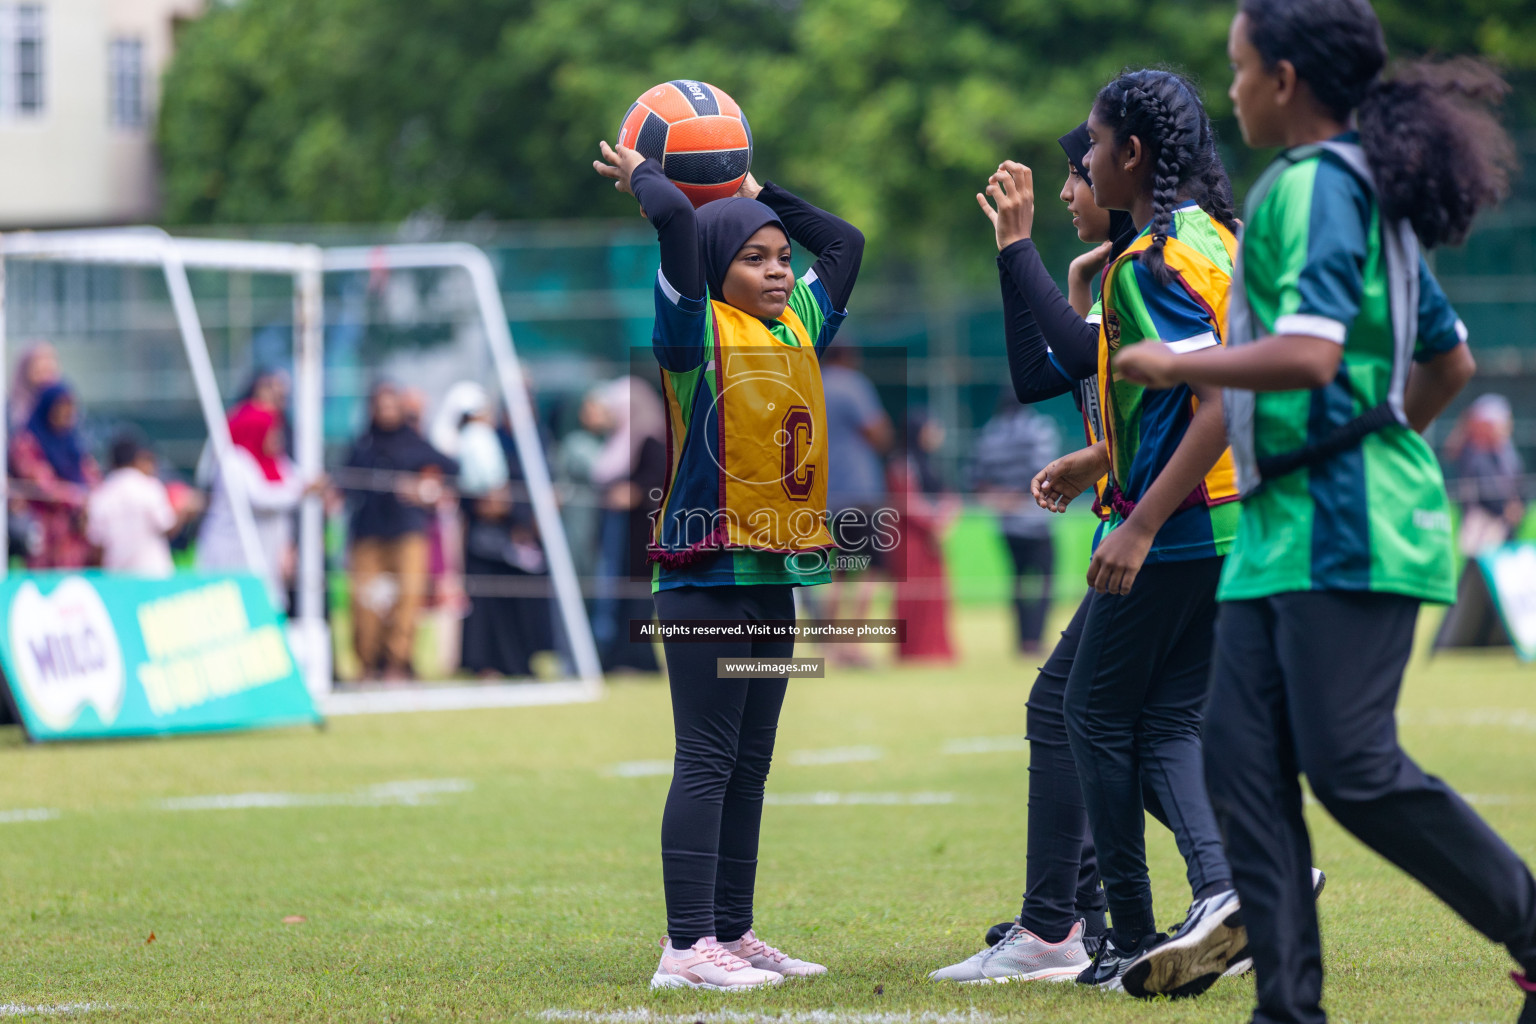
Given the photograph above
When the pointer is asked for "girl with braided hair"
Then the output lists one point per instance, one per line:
(1136, 687)
(1343, 349)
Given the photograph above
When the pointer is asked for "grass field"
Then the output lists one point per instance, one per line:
(503, 865)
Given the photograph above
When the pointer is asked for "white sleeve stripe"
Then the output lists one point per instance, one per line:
(1093, 320)
(1461, 331)
(673, 295)
(810, 277)
(1195, 344)
(1313, 326)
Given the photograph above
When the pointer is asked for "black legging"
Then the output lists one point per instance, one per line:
(1134, 705)
(725, 730)
(1061, 871)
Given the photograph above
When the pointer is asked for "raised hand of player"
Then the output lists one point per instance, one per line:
(1012, 188)
(749, 187)
(617, 164)
(1087, 266)
(1149, 363)
(1054, 487)
(1119, 558)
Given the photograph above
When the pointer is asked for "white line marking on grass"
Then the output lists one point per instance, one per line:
(640, 769)
(1505, 717)
(28, 814)
(640, 1015)
(852, 799)
(23, 1010)
(835, 755)
(408, 793)
(986, 745)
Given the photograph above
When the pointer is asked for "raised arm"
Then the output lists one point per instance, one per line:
(1035, 377)
(1073, 340)
(671, 214)
(837, 245)
(681, 299)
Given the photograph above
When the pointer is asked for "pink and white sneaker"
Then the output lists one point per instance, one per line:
(764, 957)
(709, 965)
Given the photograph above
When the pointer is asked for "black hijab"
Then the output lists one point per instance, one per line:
(724, 227)
(1122, 230)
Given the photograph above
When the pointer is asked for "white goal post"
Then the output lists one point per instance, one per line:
(307, 264)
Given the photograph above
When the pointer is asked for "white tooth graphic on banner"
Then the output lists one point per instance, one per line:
(67, 653)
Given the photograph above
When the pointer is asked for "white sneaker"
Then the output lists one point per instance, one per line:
(709, 965)
(765, 958)
(1021, 955)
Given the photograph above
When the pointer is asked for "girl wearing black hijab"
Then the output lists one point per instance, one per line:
(741, 523)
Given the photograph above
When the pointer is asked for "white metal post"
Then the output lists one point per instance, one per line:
(212, 402)
(309, 448)
(152, 247)
(525, 434)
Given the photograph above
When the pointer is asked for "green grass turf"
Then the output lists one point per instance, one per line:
(539, 888)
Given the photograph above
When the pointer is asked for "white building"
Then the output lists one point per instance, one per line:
(79, 88)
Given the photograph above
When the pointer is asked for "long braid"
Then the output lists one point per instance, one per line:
(1163, 111)
(1213, 189)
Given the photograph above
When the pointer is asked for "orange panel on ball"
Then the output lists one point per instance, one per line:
(702, 134)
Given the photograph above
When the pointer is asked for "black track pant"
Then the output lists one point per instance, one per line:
(1062, 871)
(1134, 704)
(1308, 683)
(1033, 559)
(725, 730)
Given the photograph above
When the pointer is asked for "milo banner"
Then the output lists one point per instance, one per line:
(93, 655)
(1495, 602)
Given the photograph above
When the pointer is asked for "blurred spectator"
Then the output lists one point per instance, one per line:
(465, 431)
(131, 517)
(630, 467)
(413, 408)
(271, 483)
(1486, 473)
(859, 434)
(393, 480)
(581, 510)
(37, 368)
(922, 591)
(1016, 443)
(269, 389)
(506, 577)
(55, 476)
(461, 430)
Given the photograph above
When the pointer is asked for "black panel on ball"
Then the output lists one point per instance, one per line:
(707, 168)
(652, 141)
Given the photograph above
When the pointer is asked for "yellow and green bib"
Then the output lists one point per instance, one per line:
(746, 446)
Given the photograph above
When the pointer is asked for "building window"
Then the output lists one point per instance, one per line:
(21, 60)
(125, 85)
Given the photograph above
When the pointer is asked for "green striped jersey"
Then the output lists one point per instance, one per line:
(1375, 517)
(1145, 427)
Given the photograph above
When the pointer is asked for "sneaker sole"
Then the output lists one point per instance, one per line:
(1244, 965)
(1045, 974)
(659, 980)
(1189, 964)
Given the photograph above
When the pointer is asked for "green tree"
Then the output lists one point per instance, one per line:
(892, 112)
